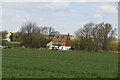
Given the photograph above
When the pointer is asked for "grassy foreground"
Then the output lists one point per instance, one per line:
(34, 63)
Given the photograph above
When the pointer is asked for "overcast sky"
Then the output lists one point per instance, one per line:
(65, 17)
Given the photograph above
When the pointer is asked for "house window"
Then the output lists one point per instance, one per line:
(68, 38)
(63, 42)
(62, 36)
(54, 42)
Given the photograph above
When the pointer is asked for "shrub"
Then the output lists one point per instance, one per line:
(11, 44)
(119, 45)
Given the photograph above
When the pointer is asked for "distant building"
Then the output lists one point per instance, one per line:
(7, 37)
(61, 42)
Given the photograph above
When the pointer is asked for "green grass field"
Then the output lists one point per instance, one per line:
(34, 63)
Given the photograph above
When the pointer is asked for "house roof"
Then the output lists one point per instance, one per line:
(61, 37)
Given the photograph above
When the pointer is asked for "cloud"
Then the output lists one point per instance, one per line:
(56, 14)
(107, 8)
(102, 0)
(97, 16)
(1, 22)
(69, 23)
(55, 5)
(24, 0)
(77, 22)
(68, 13)
(27, 18)
(59, 0)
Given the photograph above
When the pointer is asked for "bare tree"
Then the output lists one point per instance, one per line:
(84, 35)
(30, 28)
(31, 35)
(49, 31)
(96, 36)
(106, 34)
(3, 34)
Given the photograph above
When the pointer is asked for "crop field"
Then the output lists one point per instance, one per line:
(34, 63)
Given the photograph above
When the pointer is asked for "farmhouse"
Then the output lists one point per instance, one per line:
(7, 36)
(60, 41)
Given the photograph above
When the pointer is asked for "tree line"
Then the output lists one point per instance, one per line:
(33, 36)
(91, 37)
(95, 37)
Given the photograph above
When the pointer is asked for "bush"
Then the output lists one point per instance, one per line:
(113, 46)
(34, 40)
(119, 45)
(11, 44)
(75, 44)
(23, 47)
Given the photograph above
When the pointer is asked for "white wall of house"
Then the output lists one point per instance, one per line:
(63, 47)
(7, 39)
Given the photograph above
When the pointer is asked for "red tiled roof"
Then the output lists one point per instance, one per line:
(61, 37)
